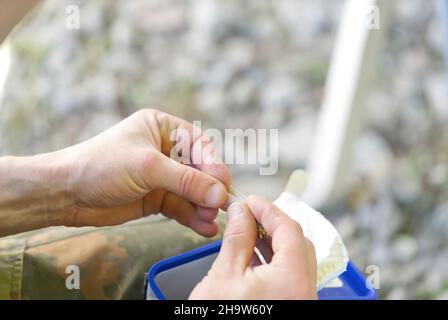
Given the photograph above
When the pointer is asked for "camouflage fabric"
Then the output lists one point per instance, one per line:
(112, 260)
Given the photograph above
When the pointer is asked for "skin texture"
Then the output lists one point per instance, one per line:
(291, 274)
(122, 174)
(126, 173)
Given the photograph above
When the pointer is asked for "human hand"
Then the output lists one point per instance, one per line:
(125, 173)
(291, 274)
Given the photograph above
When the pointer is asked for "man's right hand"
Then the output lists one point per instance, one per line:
(291, 274)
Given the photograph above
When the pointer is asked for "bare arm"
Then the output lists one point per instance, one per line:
(11, 12)
(120, 175)
(33, 192)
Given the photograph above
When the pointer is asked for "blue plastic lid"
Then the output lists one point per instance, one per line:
(353, 281)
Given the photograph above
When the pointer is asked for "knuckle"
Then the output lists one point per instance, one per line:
(293, 252)
(267, 211)
(310, 245)
(296, 227)
(291, 225)
(149, 114)
(161, 116)
(149, 161)
(311, 251)
(186, 182)
(233, 233)
(233, 237)
(142, 113)
(152, 159)
(147, 111)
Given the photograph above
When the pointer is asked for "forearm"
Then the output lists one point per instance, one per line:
(33, 192)
(11, 12)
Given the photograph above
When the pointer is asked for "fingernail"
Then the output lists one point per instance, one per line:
(234, 210)
(214, 194)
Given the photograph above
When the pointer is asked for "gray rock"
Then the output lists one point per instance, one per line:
(373, 160)
(211, 100)
(406, 186)
(437, 91)
(404, 248)
(280, 92)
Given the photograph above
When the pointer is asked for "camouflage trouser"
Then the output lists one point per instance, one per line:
(112, 261)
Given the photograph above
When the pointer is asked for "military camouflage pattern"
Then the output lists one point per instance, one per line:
(112, 261)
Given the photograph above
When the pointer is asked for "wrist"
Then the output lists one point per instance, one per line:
(36, 191)
(60, 199)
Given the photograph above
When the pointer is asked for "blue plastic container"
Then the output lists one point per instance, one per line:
(175, 277)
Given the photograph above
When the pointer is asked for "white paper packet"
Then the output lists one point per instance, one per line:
(331, 253)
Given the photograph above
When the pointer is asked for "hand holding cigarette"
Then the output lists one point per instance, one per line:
(291, 274)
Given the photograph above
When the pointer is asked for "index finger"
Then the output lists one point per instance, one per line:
(288, 242)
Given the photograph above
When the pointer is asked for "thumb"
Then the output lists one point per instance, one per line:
(238, 241)
(189, 183)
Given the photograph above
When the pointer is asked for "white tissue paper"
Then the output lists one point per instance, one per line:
(331, 253)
